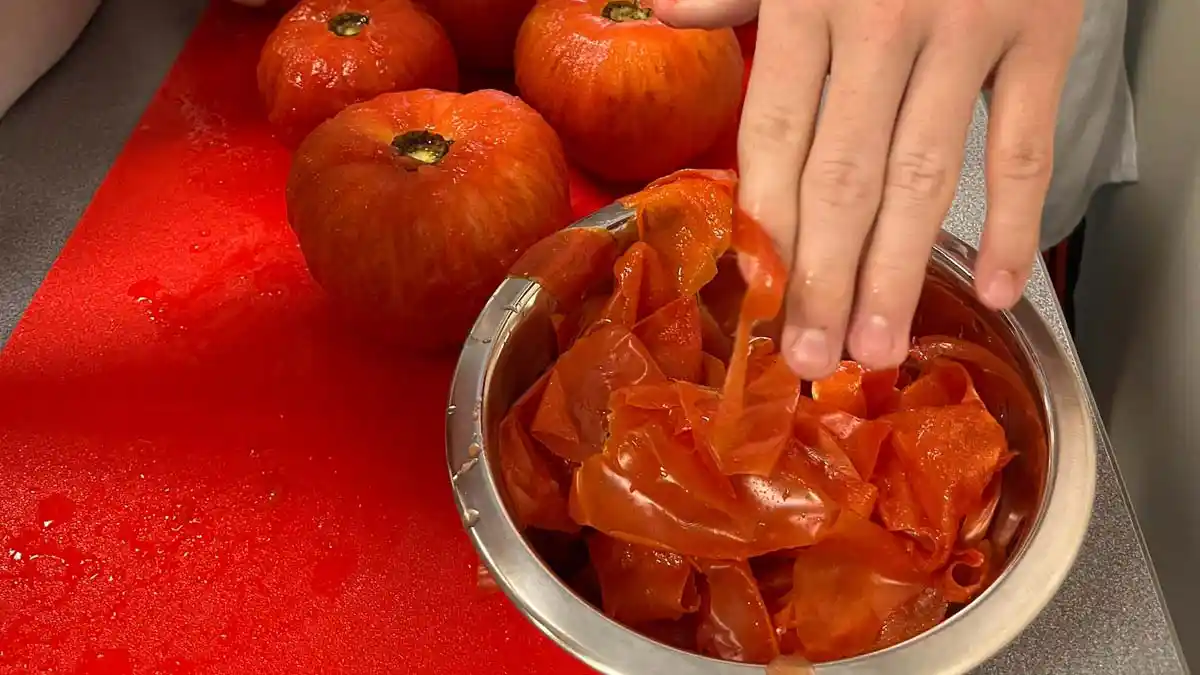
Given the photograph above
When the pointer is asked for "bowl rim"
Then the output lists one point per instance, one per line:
(957, 645)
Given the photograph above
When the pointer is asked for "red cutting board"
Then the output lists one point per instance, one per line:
(200, 470)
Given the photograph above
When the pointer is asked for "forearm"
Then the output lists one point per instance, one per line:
(34, 35)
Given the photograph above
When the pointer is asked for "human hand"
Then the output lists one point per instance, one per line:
(854, 204)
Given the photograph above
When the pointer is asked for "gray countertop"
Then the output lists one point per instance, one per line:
(58, 142)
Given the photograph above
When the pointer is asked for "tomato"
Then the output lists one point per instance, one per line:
(483, 32)
(632, 98)
(410, 208)
(328, 54)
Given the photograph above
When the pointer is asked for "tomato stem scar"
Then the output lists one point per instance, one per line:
(423, 146)
(348, 24)
(626, 10)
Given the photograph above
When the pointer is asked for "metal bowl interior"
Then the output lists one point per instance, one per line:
(513, 343)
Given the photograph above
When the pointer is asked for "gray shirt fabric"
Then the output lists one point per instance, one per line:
(1094, 143)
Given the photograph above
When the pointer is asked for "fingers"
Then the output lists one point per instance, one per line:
(792, 57)
(705, 13)
(842, 181)
(1020, 151)
(919, 185)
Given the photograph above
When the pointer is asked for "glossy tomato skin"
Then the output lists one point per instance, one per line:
(416, 249)
(631, 100)
(483, 32)
(308, 73)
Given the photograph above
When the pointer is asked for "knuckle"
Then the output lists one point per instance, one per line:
(1024, 161)
(891, 286)
(839, 182)
(966, 15)
(890, 22)
(822, 297)
(773, 124)
(892, 275)
(920, 175)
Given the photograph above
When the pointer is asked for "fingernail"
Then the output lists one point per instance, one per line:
(1001, 291)
(807, 350)
(875, 341)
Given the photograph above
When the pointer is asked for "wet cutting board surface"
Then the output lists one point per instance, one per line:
(202, 471)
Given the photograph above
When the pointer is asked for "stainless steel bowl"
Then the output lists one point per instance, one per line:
(512, 343)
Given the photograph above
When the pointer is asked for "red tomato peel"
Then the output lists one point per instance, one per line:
(724, 511)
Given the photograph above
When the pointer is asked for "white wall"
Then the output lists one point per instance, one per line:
(1138, 309)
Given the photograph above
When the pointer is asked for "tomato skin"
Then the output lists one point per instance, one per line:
(483, 32)
(307, 73)
(416, 249)
(632, 100)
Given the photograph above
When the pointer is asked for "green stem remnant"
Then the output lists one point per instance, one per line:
(348, 24)
(626, 10)
(423, 146)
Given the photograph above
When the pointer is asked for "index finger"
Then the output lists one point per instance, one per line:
(791, 59)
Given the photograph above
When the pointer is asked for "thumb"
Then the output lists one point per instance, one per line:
(705, 13)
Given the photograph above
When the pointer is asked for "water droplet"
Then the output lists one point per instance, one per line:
(474, 450)
(470, 518)
(196, 248)
(204, 233)
(484, 580)
(451, 409)
(477, 410)
(55, 510)
(145, 290)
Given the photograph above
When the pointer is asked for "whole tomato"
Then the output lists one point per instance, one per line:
(410, 208)
(631, 97)
(483, 32)
(327, 54)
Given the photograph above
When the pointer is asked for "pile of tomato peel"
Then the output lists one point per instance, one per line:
(672, 469)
